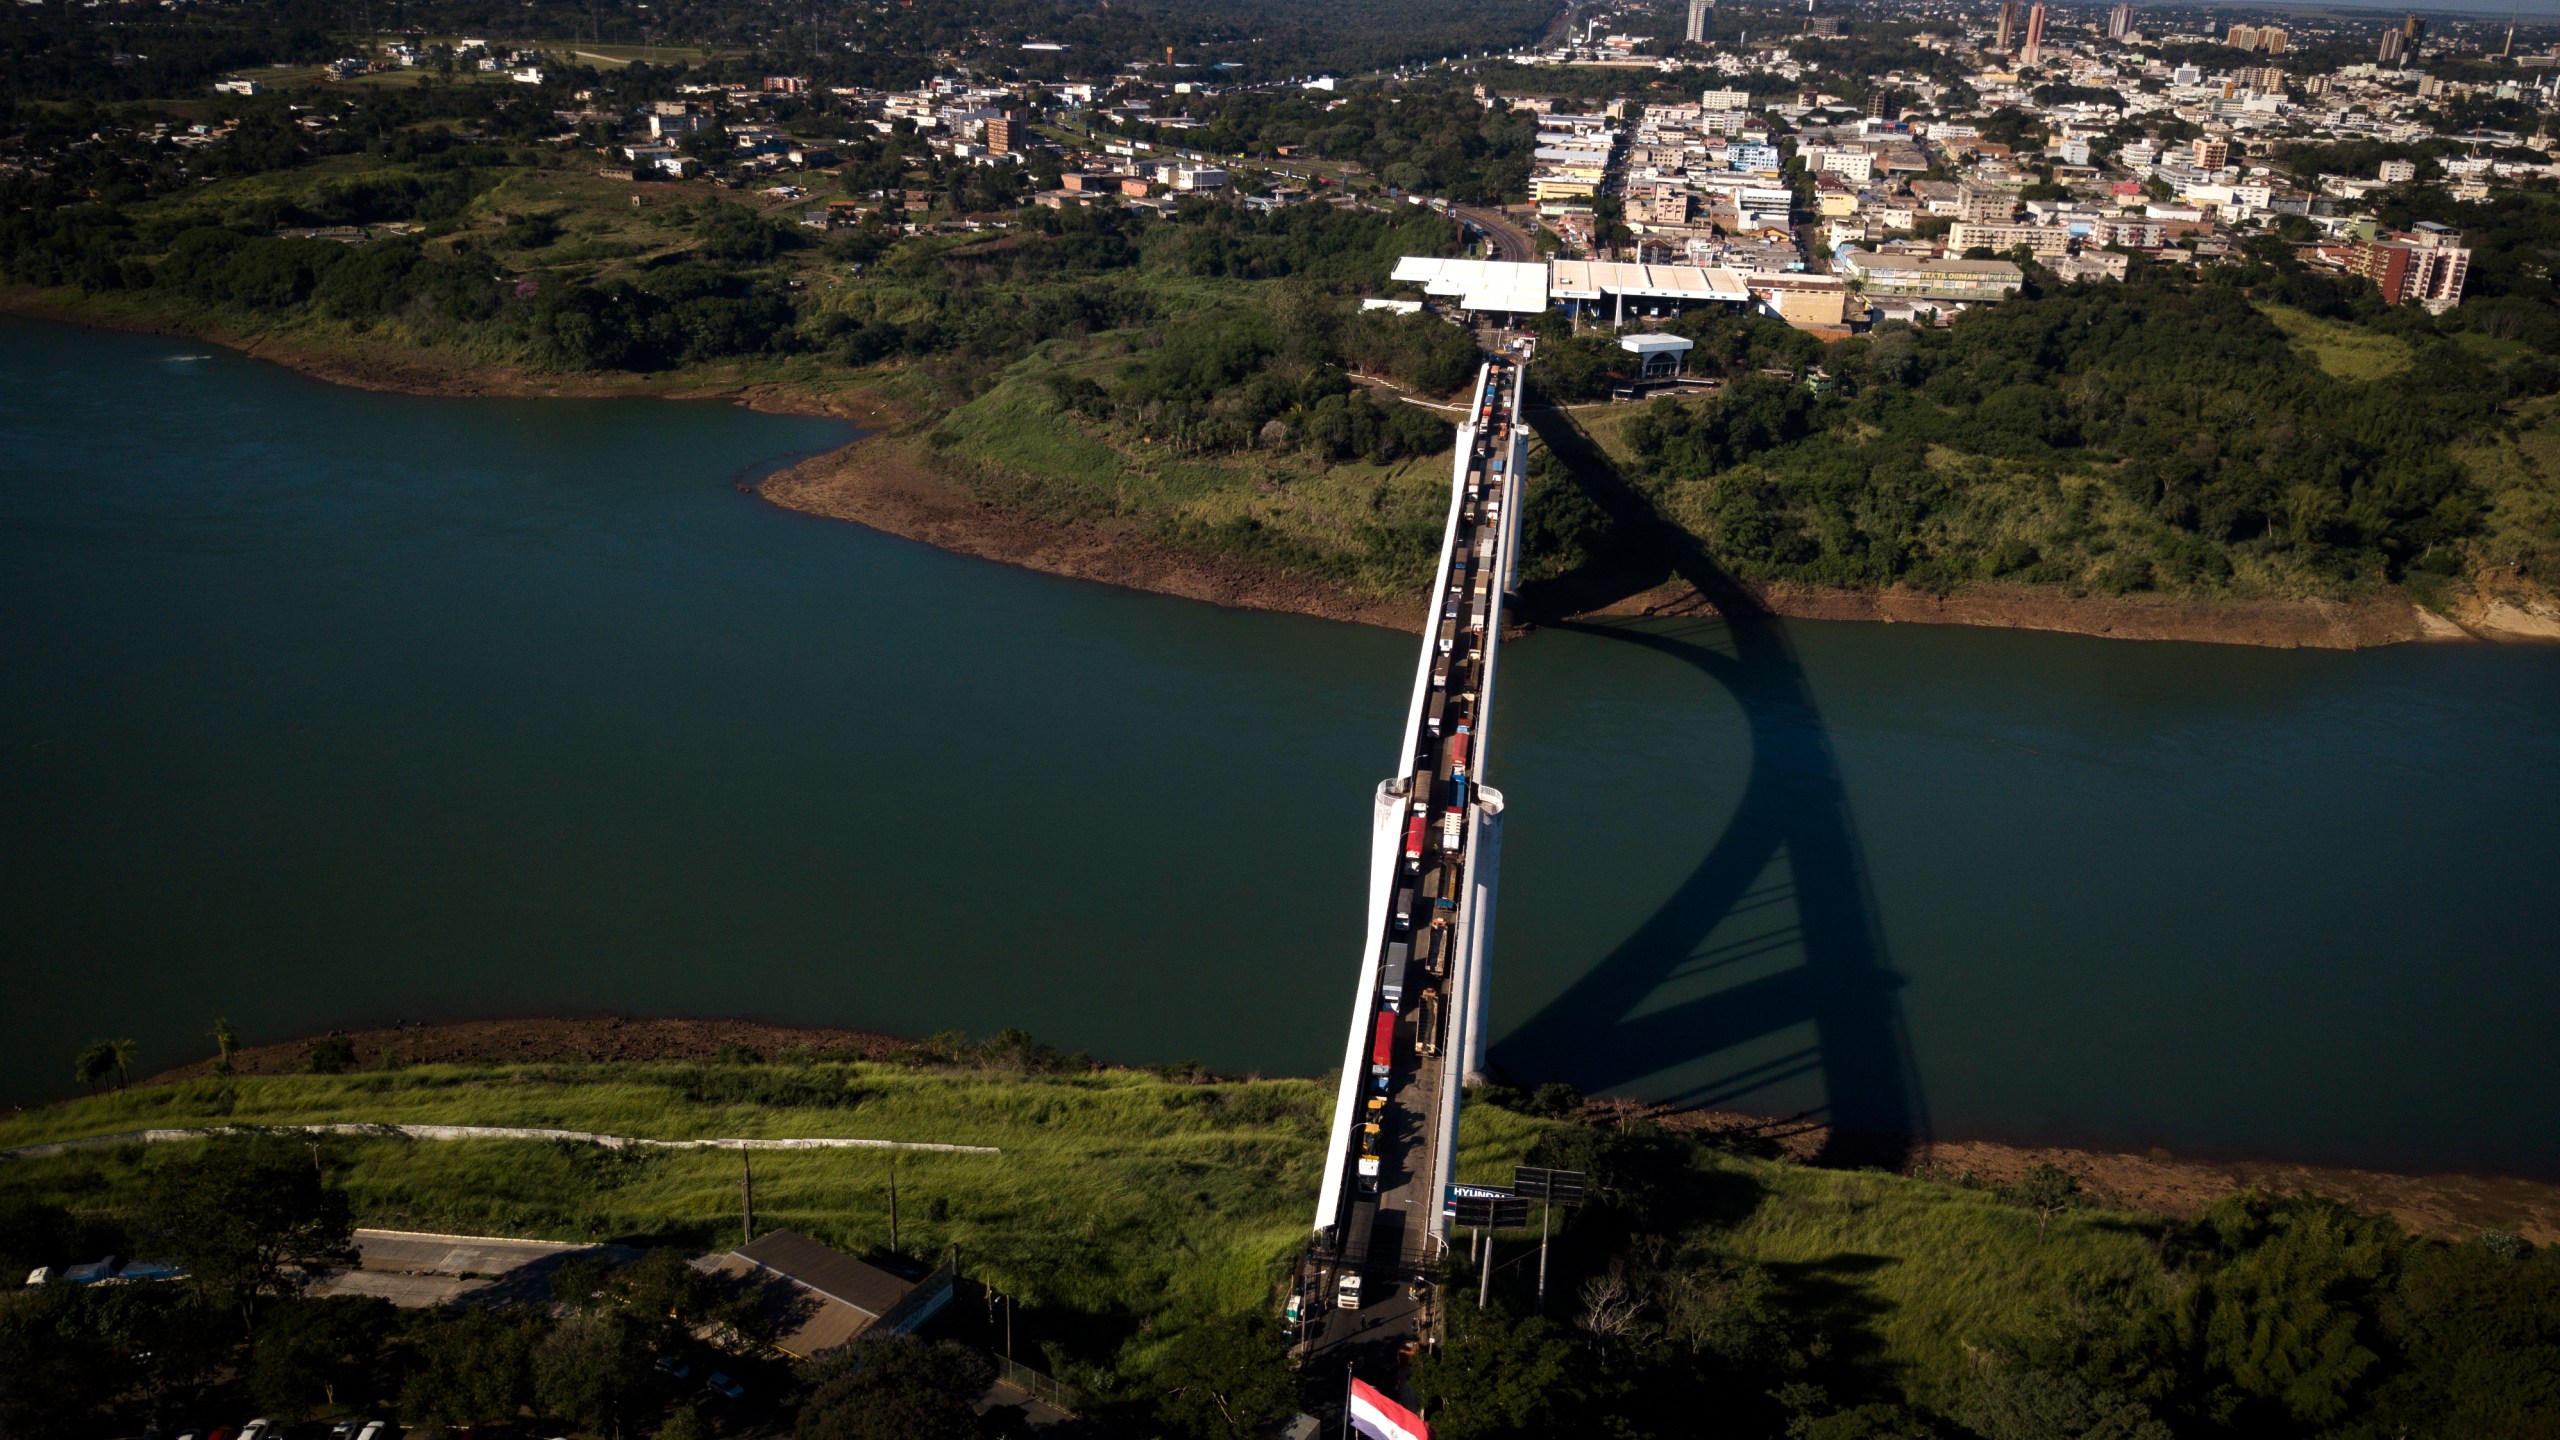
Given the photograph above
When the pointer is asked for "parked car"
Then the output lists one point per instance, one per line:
(672, 1368)
(720, 1384)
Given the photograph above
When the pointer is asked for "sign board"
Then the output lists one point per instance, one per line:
(1506, 1212)
(1557, 1187)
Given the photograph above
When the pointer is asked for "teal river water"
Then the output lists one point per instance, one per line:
(320, 707)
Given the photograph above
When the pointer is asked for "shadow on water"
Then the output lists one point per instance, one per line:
(1786, 867)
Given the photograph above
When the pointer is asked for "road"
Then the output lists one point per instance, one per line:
(1412, 1047)
(1508, 240)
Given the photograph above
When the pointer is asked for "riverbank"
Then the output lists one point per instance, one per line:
(890, 482)
(2157, 1181)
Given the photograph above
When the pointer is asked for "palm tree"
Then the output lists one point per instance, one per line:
(95, 1061)
(225, 1041)
(122, 1053)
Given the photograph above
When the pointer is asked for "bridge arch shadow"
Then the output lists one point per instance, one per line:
(1793, 821)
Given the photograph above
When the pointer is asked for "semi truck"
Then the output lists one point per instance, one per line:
(1391, 974)
(1413, 831)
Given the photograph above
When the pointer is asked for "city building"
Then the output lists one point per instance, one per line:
(2008, 27)
(2394, 45)
(2001, 239)
(2212, 155)
(1928, 279)
(1984, 204)
(2120, 22)
(2426, 265)
(2033, 53)
(2398, 172)
(1003, 132)
(1701, 21)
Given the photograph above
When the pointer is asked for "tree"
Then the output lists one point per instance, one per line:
(2284, 1313)
(96, 1062)
(122, 1052)
(473, 1369)
(248, 1216)
(590, 1370)
(313, 1353)
(2007, 1404)
(1228, 1379)
(1499, 1375)
(2047, 1191)
(226, 1043)
(897, 1387)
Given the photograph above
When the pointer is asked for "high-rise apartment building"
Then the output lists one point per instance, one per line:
(2008, 26)
(2394, 45)
(2120, 22)
(2241, 37)
(1702, 15)
(1001, 135)
(2427, 265)
(2272, 39)
(2034, 49)
(2211, 154)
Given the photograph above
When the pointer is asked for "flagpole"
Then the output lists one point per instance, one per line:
(1346, 1400)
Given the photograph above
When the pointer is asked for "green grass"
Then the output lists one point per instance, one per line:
(1117, 1193)
(2521, 473)
(2344, 351)
(1372, 528)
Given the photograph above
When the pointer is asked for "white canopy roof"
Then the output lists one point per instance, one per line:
(1479, 284)
(1591, 279)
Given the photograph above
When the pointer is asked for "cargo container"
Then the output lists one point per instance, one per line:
(1458, 791)
(1382, 1051)
(1458, 749)
(1426, 1034)
(1391, 975)
(1413, 829)
(1404, 907)
(1436, 707)
(1453, 830)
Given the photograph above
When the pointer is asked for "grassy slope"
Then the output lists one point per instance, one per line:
(1117, 1192)
(2345, 351)
(1374, 528)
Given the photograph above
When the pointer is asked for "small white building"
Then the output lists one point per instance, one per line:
(1659, 357)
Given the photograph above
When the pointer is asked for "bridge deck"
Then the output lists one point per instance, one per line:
(1435, 856)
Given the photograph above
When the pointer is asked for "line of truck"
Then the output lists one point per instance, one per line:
(1417, 951)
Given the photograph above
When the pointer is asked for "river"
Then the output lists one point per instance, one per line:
(321, 707)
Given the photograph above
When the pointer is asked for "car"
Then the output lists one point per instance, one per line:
(720, 1384)
(1347, 1294)
(256, 1429)
(671, 1367)
(375, 1430)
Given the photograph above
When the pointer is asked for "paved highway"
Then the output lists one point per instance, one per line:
(1507, 240)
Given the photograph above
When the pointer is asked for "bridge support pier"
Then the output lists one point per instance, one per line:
(1484, 878)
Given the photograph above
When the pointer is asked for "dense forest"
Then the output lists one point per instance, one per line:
(2158, 434)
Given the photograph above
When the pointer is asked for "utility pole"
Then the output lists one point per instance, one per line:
(1484, 1281)
(1543, 1209)
(747, 1194)
(893, 1205)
